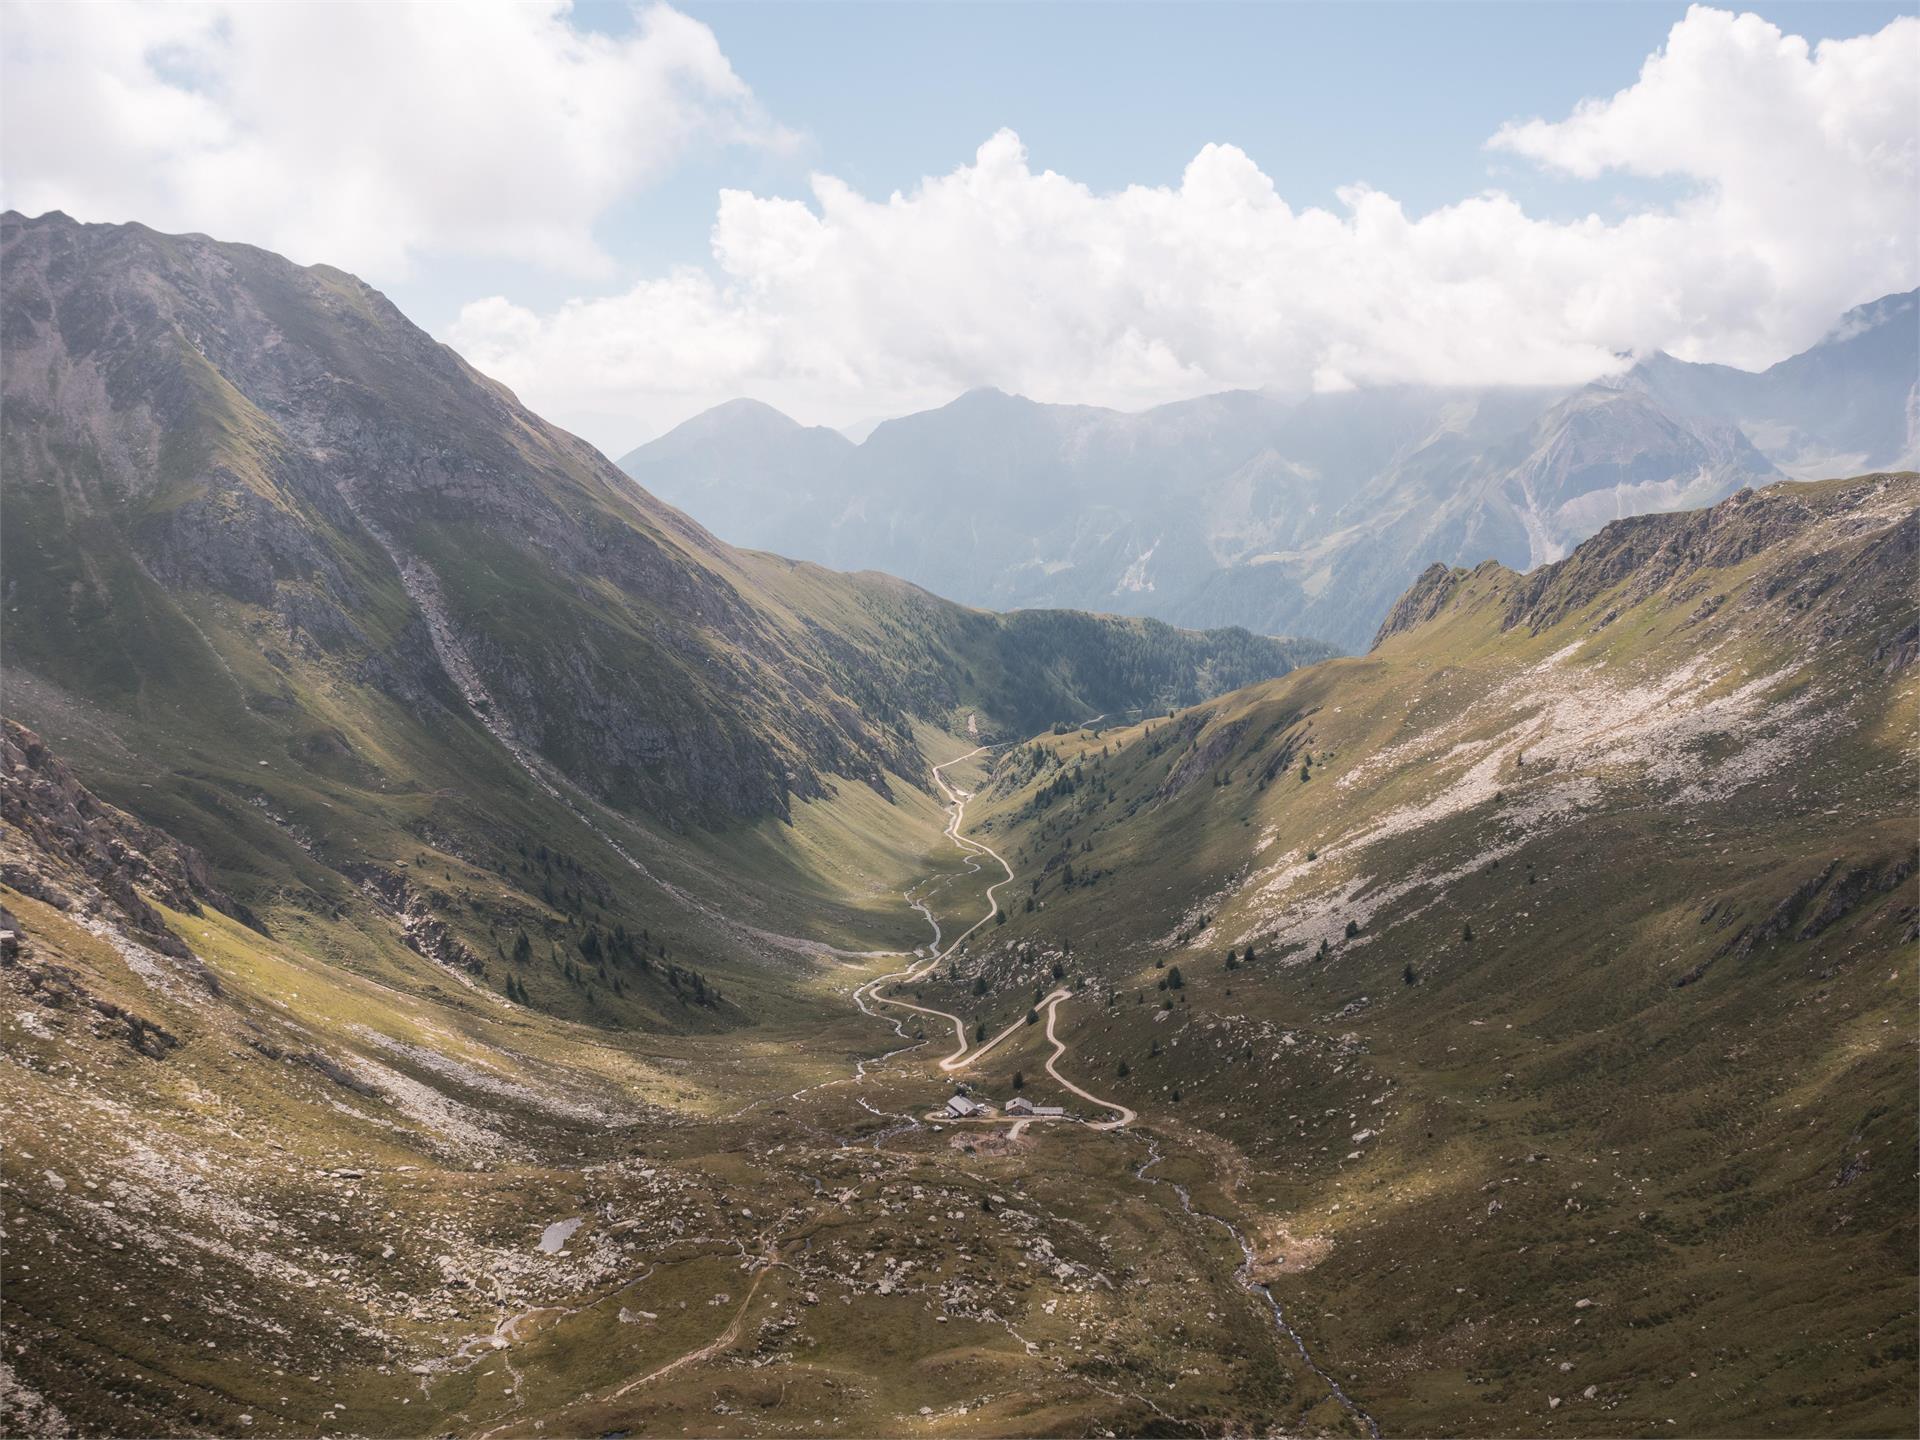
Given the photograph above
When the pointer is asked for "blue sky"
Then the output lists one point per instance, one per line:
(1400, 95)
(545, 185)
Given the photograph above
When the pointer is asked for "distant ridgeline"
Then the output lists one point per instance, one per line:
(1287, 515)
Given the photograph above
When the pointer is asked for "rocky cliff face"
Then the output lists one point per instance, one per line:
(1426, 598)
(64, 846)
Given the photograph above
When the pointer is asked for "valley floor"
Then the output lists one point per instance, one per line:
(830, 1255)
(798, 1241)
(803, 1242)
(1508, 1032)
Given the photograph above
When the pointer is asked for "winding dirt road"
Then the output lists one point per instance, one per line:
(725, 1340)
(962, 1057)
(1122, 1116)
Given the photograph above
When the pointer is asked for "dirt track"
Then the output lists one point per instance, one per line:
(963, 1057)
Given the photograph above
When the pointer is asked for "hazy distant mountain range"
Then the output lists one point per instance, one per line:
(1289, 515)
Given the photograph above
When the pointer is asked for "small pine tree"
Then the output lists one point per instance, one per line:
(1019, 1081)
(1121, 1070)
(1033, 1017)
(979, 984)
(1466, 931)
(1410, 975)
(980, 1033)
(1353, 928)
(1174, 982)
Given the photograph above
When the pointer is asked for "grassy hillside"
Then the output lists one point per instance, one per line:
(1576, 1044)
(1533, 995)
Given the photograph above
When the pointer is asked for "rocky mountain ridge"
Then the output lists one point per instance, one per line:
(1296, 515)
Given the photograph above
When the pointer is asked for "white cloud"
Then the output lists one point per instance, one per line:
(1801, 202)
(365, 135)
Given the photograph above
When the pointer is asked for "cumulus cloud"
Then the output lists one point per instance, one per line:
(1800, 173)
(367, 135)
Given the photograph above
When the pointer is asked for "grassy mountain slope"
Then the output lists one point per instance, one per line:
(1576, 1049)
(290, 579)
(422, 836)
(311, 1185)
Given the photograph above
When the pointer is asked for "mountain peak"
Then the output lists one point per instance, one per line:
(1902, 305)
(745, 407)
(985, 396)
(742, 424)
(732, 416)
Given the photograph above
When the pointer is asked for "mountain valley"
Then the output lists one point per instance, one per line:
(485, 956)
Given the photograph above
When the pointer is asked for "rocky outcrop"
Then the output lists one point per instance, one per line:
(65, 846)
(1840, 888)
(424, 932)
(1426, 598)
(1838, 560)
(1818, 571)
(59, 988)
